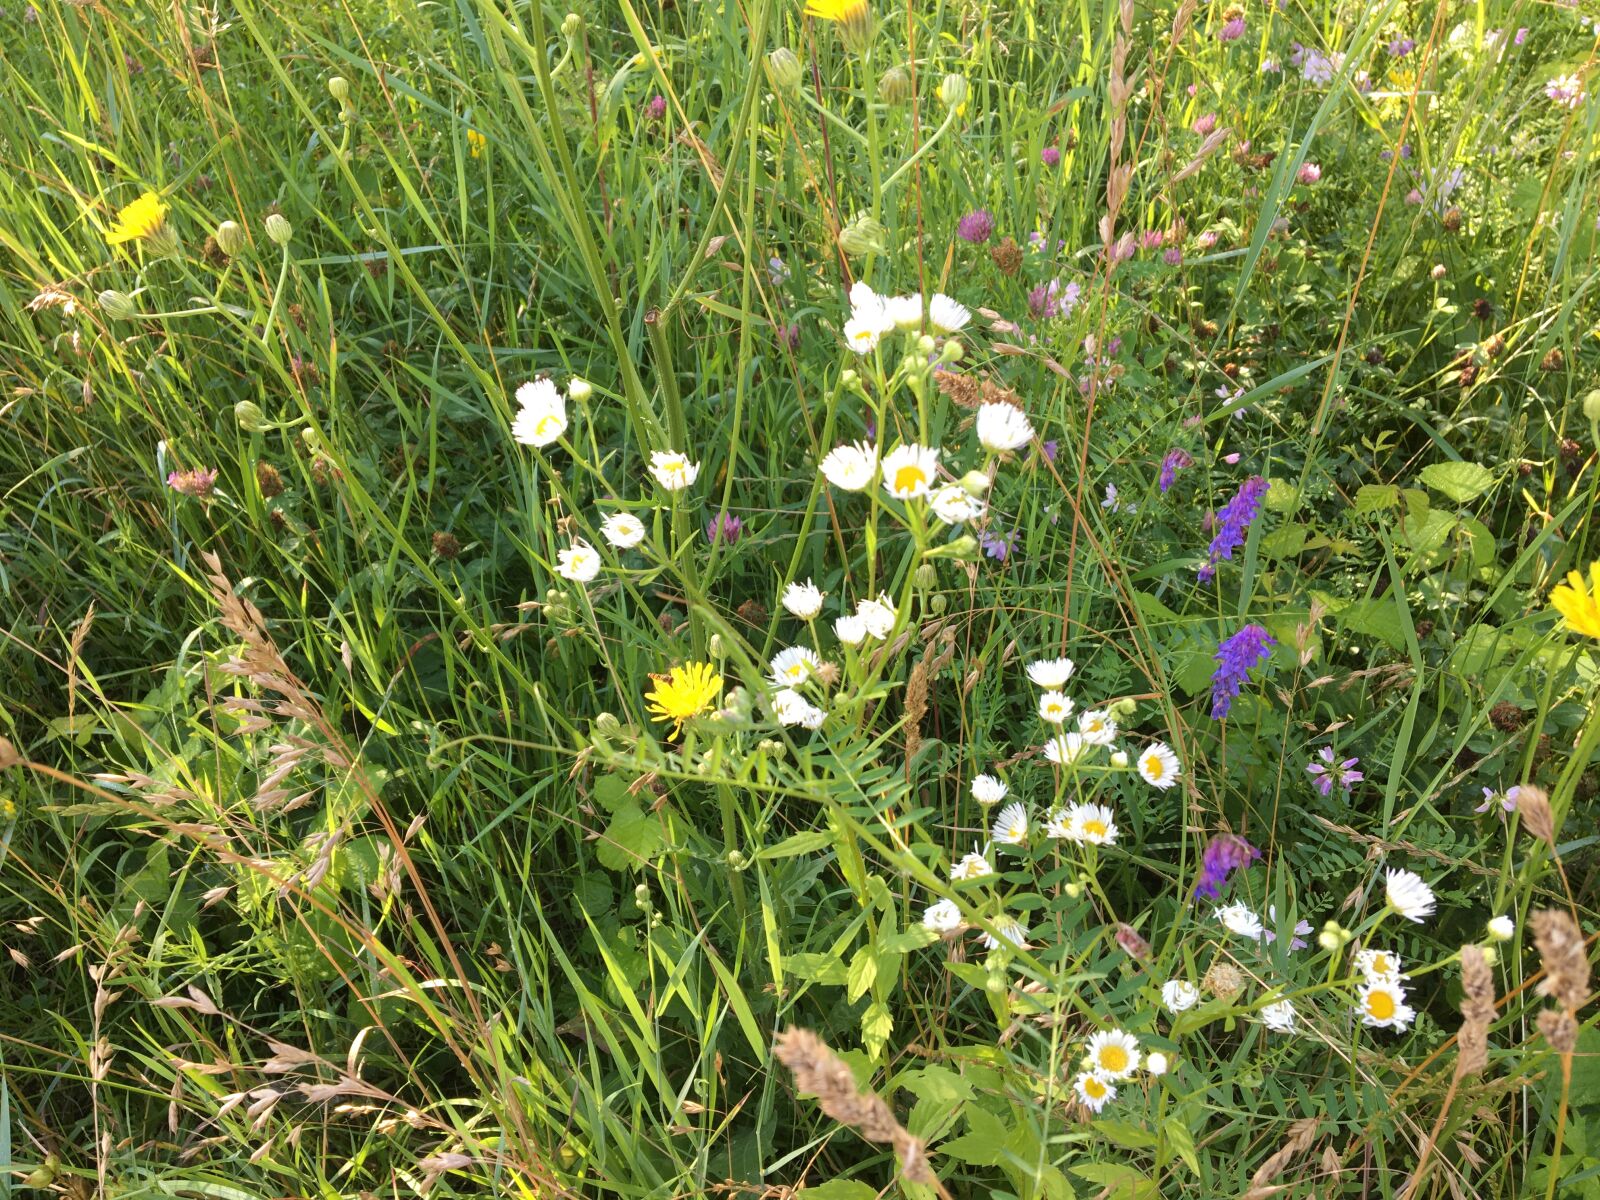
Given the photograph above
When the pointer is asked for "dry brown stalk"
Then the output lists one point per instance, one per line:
(1477, 1012)
(1266, 1180)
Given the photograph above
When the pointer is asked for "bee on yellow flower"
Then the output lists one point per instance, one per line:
(1577, 604)
(139, 221)
(683, 693)
(853, 17)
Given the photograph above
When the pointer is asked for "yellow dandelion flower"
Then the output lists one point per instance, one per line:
(1577, 604)
(476, 142)
(139, 221)
(853, 17)
(684, 692)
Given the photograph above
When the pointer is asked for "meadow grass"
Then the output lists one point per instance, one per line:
(343, 848)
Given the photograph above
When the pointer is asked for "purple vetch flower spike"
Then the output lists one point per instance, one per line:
(1233, 522)
(1236, 657)
(1176, 460)
(1225, 854)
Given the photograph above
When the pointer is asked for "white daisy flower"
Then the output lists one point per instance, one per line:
(1408, 895)
(1113, 1054)
(1013, 932)
(1065, 748)
(579, 562)
(1236, 918)
(1179, 995)
(795, 665)
(1011, 826)
(945, 315)
(791, 708)
(623, 530)
(1379, 964)
(1002, 427)
(1058, 827)
(904, 311)
(972, 866)
(909, 471)
(861, 333)
(1054, 707)
(1051, 673)
(877, 615)
(1098, 726)
(541, 416)
(1502, 929)
(1158, 765)
(953, 504)
(1278, 1016)
(942, 916)
(863, 297)
(1156, 1063)
(850, 467)
(673, 471)
(851, 629)
(1091, 824)
(804, 600)
(1094, 1091)
(1382, 1003)
(986, 789)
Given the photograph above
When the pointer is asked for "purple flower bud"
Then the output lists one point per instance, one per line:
(976, 227)
(1050, 156)
(724, 528)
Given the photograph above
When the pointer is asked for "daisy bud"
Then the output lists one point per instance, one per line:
(975, 483)
(1491, 954)
(1502, 929)
(737, 861)
(783, 69)
(571, 26)
(1156, 1063)
(119, 306)
(1074, 889)
(937, 604)
(927, 576)
(1333, 936)
(895, 86)
(926, 345)
(1591, 406)
(863, 236)
(339, 88)
(953, 91)
(579, 389)
(250, 417)
(1119, 759)
(641, 898)
(952, 352)
(279, 229)
(849, 379)
(230, 238)
(1124, 708)
(962, 549)
(308, 438)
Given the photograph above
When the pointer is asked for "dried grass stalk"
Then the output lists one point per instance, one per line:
(825, 1075)
(1477, 1012)
(1268, 1177)
(1533, 806)
(1566, 964)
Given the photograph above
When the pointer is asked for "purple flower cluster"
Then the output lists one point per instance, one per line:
(724, 528)
(1233, 522)
(1176, 460)
(1235, 657)
(1226, 853)
(1053, 300)
(997, 545)
(1050, 156)
(197, 483)
(1324, 774)
(976, 227)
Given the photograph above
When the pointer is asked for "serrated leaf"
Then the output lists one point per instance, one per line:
(877, 1023)
(863, 970)
(1461, 481)
(1125, 1134)
(1375, 497)
(1285, 542)
(631, 840)
(610, 792)
(816, 968)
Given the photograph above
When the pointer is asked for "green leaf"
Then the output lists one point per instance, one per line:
(1375, 618)
(863, 970)
(800, 843)
(1181, 1139)
(1375, 497)
(877, 1023)
(838, 1189)
(632, 839)
(1122, 1181)
(610, 792)
(816, 968)
(1125, 1134)
(1461, 481)
(1285, 542)
(914, 938)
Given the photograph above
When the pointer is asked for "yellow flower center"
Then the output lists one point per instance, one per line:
(1381, 965)
(1155, 767)
(1113, 1058)
(1094, 1088)
(546, 425)
(1094, 828)
(1380, 1005)
(909, 478)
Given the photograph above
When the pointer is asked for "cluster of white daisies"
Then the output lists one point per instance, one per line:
(1084, 823)
(1111, 1056)
(872, 317)
(795, 669)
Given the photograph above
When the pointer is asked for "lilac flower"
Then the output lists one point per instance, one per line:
(1233, 522)
(1297, 940)
(1053, 300)
(1050, 156)
(724, 528)
(997, 545)
(1173, 257)
(976, 227)
(1235, 657)
(1176, 460)
(1507, 802)
(197, 483)
(1565, 90)
(1401, 47)
(1309, 173)
(656, 108)
(777, 271)
(1324, 774)
(1049, 448)
(1319, 68)
(1225, 854)
(1522, 36)
(1232, 31)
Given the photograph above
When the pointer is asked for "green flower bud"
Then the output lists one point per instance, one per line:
(119, 306)
(279, 229)
(1119, 759)
(895, 86)
(784, 70)
(975, 483)
(641, 898)
(250, 417)
(953, 91)
(863, 236)
(714, 646)
(962, 549)
(1124, 708)
(571, 26)
(926, 345)
(1074, 890)
(230, 238)
(937, 603)
(927, 576)
(339, 88)
(579, 389)
(1591, 405)
(607, 723)
(952, 352)
(737, 861)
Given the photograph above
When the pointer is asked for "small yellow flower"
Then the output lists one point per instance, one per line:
(1575, 602)
(476, 142)
(853, 17)
(685, 692)
(139, 221)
